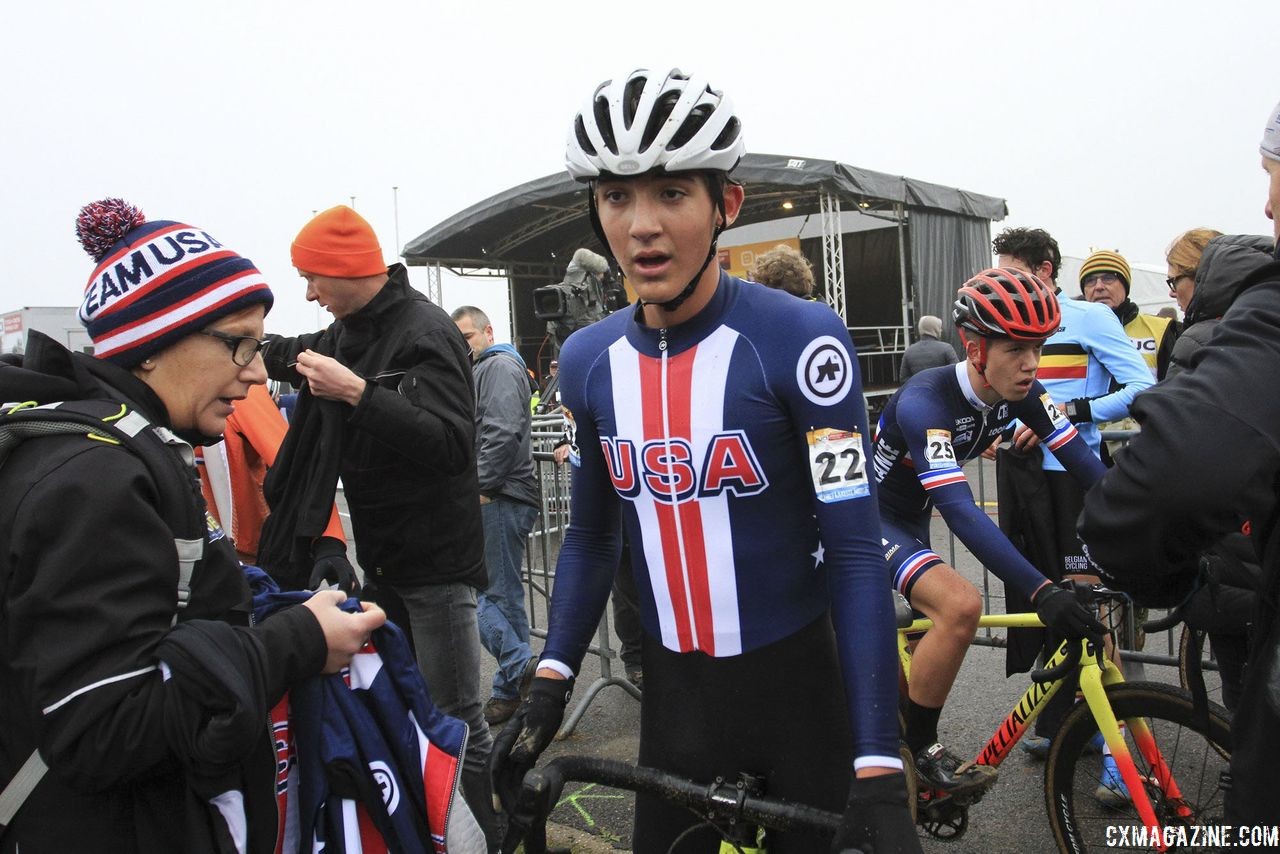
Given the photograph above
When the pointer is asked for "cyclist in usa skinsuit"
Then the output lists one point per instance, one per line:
(940, 419)
(724, 423)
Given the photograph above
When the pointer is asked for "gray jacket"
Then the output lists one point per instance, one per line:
(1223, 266)
(928, 352)
(504, 458)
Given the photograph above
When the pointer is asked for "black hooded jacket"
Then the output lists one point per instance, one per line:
(1207, 462)
(1225, 263)
(405, 452)
(88, 595)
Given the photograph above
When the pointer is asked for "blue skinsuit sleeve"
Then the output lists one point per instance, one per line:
(949, 490)
(1112, 348)
(862, 604)
(592, 544)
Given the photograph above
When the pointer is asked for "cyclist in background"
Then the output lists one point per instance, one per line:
(724, 422)
(942, 418)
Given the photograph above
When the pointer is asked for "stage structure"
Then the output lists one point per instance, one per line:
(885, 248)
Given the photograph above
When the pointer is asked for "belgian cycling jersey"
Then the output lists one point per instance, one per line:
(734, 440)
(1081, 359)
(928, 430)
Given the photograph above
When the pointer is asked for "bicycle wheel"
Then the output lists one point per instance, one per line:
(1198, 761)
(1212, 678)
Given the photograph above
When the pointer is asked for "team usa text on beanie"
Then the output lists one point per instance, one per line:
(156, 282)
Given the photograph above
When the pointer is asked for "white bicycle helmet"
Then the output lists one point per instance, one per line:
(646, 121)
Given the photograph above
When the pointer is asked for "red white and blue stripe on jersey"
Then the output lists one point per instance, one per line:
(935, 478)
(1061, 436)
(905, 575)
(695, 438)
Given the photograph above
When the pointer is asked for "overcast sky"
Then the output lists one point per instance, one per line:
(1114, 125)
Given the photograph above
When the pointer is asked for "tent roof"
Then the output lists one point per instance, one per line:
(547, 218)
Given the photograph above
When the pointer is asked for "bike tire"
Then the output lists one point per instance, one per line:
(1212, 678)
(1198, 759)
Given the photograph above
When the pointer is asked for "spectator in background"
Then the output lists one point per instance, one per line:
(785, 269)
(387, 403)
(509, 503)
(1183, 257)
(1208, 268)
(1105, 277)
(549, 396)
(930, 351)
(1207, 460)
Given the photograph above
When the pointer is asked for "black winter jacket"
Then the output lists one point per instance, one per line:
(1208, 460)
(1225, 263)
(408, 459)
(88, 589)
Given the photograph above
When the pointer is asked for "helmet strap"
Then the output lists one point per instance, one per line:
(981, 366)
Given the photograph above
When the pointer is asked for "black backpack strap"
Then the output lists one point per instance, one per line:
(116, 423)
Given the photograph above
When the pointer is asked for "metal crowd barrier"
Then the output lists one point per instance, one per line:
(543, 548)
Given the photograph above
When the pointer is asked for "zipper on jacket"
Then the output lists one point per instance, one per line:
(671, 487)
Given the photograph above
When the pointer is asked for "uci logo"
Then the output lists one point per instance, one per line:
(386, 783)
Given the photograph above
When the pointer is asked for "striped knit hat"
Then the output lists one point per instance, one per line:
(156, 282)
(1271, 136)
(1106, 261)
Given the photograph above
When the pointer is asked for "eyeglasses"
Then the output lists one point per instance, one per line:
(243, 347)
(1106, 279)
(1172, 282)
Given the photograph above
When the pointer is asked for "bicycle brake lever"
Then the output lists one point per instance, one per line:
(1061, 669)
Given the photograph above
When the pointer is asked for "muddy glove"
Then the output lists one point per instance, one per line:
(877, 819)
(1059, 609)
(332, 567)
(526, 735)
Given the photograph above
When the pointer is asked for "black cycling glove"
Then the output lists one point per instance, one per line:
(1059, 609)
(877, 819)
(1078, 411)
(526, 735)
(332, 567)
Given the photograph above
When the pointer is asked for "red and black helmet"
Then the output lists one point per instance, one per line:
(1005, 303)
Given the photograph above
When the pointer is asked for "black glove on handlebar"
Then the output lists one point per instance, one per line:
(331, 566)
(526, 735)
(877, 819)
(1061, 611)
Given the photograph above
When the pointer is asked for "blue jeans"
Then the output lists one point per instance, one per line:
(442, 623)
(504, 623)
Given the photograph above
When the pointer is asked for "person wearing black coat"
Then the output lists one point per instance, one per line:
(1206, 462)
(103, 650)
(387, 403)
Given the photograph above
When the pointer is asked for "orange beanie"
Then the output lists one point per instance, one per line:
(338, 243)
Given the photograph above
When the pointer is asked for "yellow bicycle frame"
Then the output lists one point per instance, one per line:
(1095, 678)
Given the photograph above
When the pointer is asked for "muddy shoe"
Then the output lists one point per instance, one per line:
(499, 710)
(940, 769)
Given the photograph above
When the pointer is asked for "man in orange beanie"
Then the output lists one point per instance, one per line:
(387, 404)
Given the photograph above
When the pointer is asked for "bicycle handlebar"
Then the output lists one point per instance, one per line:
(718, 801)
(1164, 623)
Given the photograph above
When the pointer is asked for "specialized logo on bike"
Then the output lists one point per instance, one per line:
(837, 464)
(823, 372)
(666, 468)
